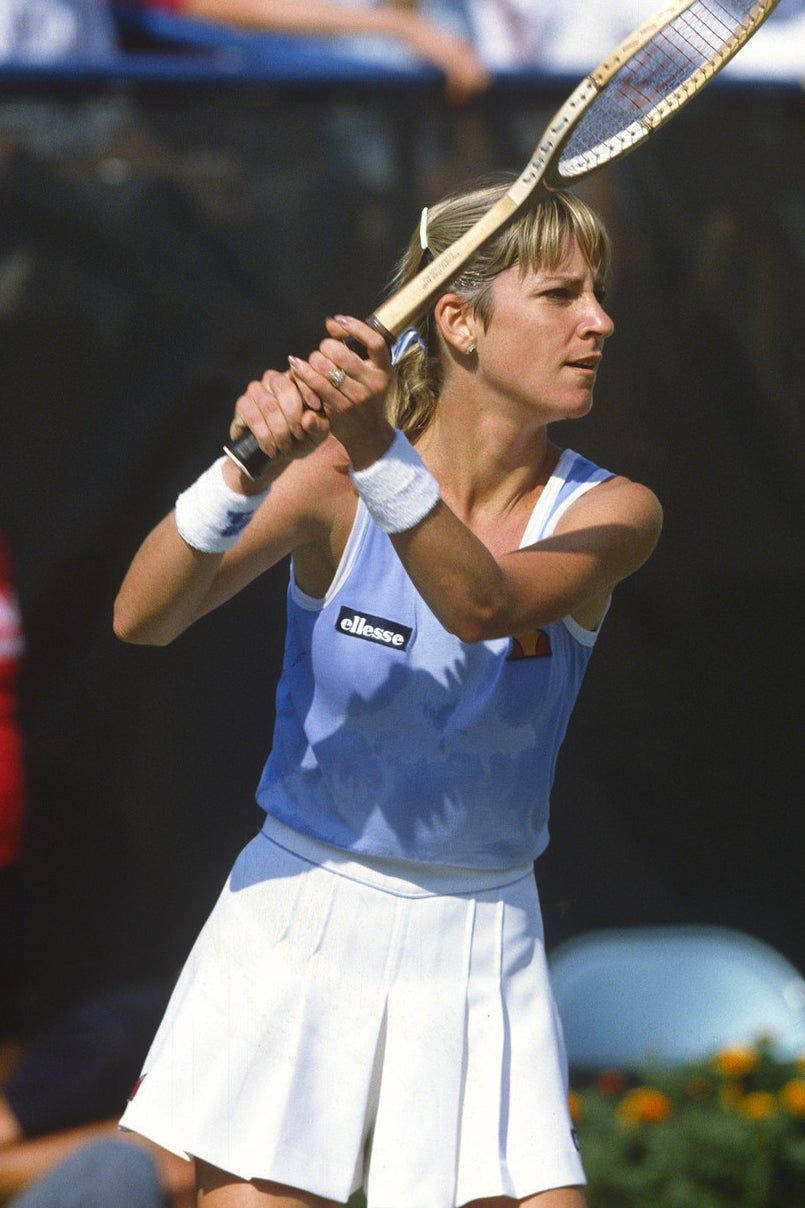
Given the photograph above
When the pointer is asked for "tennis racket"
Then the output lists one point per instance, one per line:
(651, 75)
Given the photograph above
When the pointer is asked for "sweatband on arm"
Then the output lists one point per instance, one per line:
(210, 516)
(398, 489)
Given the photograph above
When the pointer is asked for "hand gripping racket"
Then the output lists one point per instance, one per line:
(651, 75)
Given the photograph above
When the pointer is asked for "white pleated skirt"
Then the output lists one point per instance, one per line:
(342, 1023)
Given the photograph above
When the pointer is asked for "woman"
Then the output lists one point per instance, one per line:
(368, 1003)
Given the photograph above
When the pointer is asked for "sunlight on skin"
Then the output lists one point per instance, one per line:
(557, 1197)
(217, 1189)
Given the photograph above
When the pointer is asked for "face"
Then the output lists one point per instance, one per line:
(544, 341)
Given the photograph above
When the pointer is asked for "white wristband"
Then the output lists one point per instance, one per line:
(398, 489)
(210, 516)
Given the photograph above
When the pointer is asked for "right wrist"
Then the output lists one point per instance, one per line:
(211, 515)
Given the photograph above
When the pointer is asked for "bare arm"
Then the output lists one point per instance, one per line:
(464, 71)
(602, 539)
(169, 584)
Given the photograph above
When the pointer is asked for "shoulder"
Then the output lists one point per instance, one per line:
(315, 490)
(619, 497)
(622, 517)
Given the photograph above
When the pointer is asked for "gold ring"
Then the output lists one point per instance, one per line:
(336, 377)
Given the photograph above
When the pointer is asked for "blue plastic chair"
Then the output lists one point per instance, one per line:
(673, 994)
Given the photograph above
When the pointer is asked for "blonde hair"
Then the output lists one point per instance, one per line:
(539, 237)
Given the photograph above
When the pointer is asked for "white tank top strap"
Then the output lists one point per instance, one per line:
(547, 500)
(576, 494)
(552, 505)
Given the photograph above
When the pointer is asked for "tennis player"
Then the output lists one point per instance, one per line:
(368, 1004)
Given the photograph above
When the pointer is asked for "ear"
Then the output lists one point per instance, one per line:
(457, 323)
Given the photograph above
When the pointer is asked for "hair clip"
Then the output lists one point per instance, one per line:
(423, 229)
(427, 254)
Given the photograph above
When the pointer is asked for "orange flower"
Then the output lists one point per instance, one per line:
(610, 1083)
(735, 1062)
(792, 1096)
(645, 1104)
(758, 1105)
(576, 1105)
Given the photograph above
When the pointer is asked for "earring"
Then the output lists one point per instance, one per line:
(470, 350)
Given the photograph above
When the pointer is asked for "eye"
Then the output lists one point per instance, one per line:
(560, 292)
(601, 293)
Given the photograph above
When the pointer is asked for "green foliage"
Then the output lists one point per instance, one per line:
(729, 1133)
(725, 1133)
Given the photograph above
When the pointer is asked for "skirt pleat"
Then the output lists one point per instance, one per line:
(329, 1033)
(482, 1160)
(415, 1139)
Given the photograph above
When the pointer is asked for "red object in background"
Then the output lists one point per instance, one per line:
(610, 1083)
(12, 784)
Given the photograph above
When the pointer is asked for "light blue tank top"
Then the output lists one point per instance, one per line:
(395, 739)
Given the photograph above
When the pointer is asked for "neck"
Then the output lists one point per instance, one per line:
(485, 460)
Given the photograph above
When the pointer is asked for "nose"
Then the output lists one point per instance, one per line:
(597, 320)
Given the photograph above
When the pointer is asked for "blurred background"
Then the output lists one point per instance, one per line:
(182, 201)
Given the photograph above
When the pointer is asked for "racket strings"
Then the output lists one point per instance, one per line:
(657, 79)
(665, 62)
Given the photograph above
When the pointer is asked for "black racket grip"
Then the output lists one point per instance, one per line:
(245, 451)
(247, 455)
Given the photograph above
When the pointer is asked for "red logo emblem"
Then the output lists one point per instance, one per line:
(136, 1087)
(533, 645)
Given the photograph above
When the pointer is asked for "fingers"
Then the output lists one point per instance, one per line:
(289, 413)
(343, 327)
(338, 375)
(340, 378)
(314, 373)
(281, 414)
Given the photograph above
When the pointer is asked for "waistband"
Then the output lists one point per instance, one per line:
(398, 877)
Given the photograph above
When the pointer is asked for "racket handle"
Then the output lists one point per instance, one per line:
(247, 455)
(245, 451)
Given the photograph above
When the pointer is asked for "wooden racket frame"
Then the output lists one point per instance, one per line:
(398, 311)
(401, 308)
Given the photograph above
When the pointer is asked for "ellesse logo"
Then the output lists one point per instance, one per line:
(356, 624)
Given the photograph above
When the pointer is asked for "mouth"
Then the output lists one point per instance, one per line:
(589, 363)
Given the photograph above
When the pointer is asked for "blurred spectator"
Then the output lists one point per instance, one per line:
(109, 1173)
(510, 34)
(65, 1093)
(572, 36)
(49, 31)
(434, 30)
(575, 35)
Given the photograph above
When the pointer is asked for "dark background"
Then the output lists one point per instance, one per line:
(158, 248)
